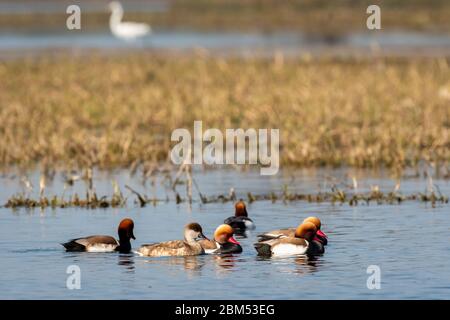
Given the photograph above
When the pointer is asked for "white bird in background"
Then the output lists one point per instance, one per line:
(125, 30)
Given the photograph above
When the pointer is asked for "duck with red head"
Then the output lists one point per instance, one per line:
(223, 241)
(320, 235)
(190, 246)
(290, 232)
(302, 243)
(240, 221)
(101, 243)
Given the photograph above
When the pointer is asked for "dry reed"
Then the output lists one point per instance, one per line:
(120, 111)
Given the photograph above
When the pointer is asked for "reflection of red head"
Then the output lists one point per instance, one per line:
(240, 209)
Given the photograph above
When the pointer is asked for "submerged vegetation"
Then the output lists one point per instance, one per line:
(334, 196)
(105, 112)
(334, 191)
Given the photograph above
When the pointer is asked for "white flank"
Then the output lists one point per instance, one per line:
(288, 249)
(249, 224)
(210, 251)
(99, 247)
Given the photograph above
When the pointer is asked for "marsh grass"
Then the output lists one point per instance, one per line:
(335, 196)
(119, 111)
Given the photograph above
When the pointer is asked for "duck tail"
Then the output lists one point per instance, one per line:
(263, 249)
(73, 246)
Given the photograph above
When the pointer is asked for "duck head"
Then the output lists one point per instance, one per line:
(224, 233)
(125, 230)
(193, 231)
(240, 209)
(316, 221)
(307, 230)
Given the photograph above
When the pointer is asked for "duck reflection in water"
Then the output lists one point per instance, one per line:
(190, 264)
(307, 264)
(225, 262)
(304, 264)
(127, 261)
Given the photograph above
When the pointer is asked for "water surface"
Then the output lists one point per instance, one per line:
(409, 242)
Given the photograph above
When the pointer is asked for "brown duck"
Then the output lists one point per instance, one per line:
(187, 247)
(101, 243)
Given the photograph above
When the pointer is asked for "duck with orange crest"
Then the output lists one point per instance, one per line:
(240, 221)
(223, 241)
(101, 243)
(302, 243)
(290, 232)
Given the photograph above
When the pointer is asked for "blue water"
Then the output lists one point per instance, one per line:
(409, 242)
(389, 42)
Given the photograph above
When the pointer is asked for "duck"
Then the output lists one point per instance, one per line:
(290, 232)
(223, 241)
(240, 221)
(101, 243)
(320, 235)
(302, 243)
(176, 248)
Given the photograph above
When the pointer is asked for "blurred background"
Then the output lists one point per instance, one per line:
(339, 93)
(409, 27)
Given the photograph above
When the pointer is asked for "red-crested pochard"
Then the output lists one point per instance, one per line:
(290, 232)
(240, 221)
(223, 241)
(101, 243)
(187, 247)
(302, 243)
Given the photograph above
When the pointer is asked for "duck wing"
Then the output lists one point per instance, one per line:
(276, 234)
(82, 244)
(168, 248)
(208, 244)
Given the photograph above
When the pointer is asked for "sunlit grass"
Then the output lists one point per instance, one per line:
(120, 110)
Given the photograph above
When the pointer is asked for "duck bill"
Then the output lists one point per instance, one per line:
(233, 240)
(202, 236)
(321, 234)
